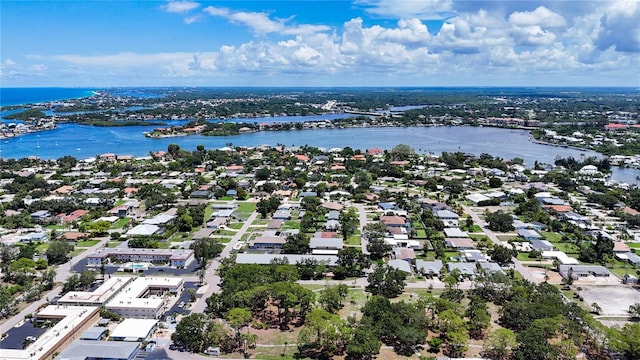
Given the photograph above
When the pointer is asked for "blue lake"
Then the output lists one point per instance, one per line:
(84, 141)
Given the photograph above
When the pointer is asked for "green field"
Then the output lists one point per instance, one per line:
(120, 223)
(87, 243)
(246, 207)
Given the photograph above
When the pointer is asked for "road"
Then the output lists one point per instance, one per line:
(492, 236)
(63, 272)
(362, 216)
(211, 278)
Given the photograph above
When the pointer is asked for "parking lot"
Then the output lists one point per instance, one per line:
(614, 300)
(16, 336)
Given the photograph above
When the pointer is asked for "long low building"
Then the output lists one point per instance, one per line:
(70, 323)
(266, 259)
(143, 298)
(87, 349)
(99, 296)
(173, 257)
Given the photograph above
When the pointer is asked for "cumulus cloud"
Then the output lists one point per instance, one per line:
(180, 6)
(479, 46)
(9, 62)
(619, 27)
(425, 9)
(541, 16)
(262, 24)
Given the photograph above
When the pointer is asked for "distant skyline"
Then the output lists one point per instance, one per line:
(319, 43)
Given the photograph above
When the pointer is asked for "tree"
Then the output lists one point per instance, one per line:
(634, 311)
(457, 343)
(196, 332)
(498, 346)
(402, 152)
(311, 269)
(296, 244)
(363, 345)
(57, 252)
(323, 335)
(348, 223)
(238, 318)
(502, 254)
(353, 261)
(500, 221)
(386, 281)
(479, 318)
(267, 206)
(173, 150)
(22, 271)
(495, 182)
(205, 249)
(331, 297)
(376, 247)
(185, 222)
(595, 308)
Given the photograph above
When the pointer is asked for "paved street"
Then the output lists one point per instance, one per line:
(490, 234)
(362, 215)
(211, 278)
(62, 274)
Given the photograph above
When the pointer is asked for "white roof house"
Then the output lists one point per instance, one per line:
(133, 330)
(143, 230)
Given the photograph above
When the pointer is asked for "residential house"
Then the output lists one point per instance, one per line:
(529, 234)
(267, 243)
(448, 217)
(428, 267)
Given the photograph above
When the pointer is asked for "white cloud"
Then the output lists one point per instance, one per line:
(261, 24)
(423, 9)
(541, 16)
(180, 6)
(193, 19)
(619, 27)
(480, 47)
(9, 62)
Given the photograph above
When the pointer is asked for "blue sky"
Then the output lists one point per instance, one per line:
(320, 43)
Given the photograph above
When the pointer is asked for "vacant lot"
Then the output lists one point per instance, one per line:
(614, 300)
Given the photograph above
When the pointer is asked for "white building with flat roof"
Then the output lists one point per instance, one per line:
(70, 323)
(135, 330)
(173, 257)
(143, 298)
(99, 296)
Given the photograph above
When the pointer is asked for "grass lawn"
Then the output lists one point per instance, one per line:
(551, 236)
(87, 243)
(246, 207)
(420, 233)
(259, 221)
(291, 225)
(523, 256)
(76, 252)
(225, 232)
(567, 248)
(236, 226)
(223, 240)
(120, 223)
(635, 245)
(163, 244)
(113, 244)
(119, 202)
(208, 212)
(353, 240)
(226, 198)
(479, 237)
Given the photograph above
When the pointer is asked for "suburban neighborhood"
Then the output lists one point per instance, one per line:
(302, 252)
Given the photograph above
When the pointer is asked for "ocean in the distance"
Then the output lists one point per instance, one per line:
(18, 96)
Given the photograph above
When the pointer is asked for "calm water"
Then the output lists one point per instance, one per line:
(16, 96)
(88, 141)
